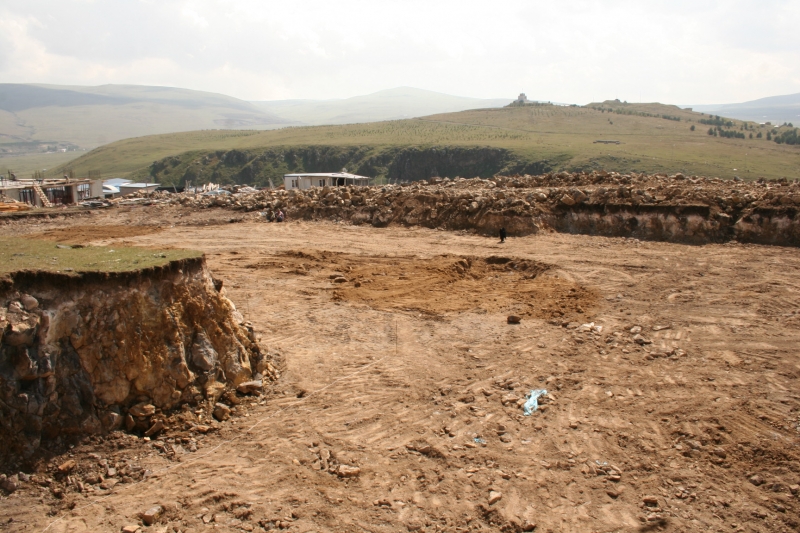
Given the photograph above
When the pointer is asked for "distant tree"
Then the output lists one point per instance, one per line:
(751, 135)
(769, 136)
(692, 128)
(759, 135)
(711, 131)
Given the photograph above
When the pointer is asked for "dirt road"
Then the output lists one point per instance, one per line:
(679, 414)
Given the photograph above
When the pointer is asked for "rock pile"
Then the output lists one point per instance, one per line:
(92, 353)
(660, 207)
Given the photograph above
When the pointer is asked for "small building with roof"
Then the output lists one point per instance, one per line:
(128, 188)
(50, 192)
(323, 179)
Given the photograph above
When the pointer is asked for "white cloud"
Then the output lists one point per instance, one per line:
(703, 51)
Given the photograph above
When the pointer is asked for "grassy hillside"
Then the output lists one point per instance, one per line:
(33, 117)
(653, 137)
(391, 104)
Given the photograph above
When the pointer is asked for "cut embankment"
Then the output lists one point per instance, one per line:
(93, 351)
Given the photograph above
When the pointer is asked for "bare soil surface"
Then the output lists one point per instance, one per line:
(399, 408)
(77, 234)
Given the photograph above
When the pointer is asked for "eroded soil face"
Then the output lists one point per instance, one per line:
(691, 426)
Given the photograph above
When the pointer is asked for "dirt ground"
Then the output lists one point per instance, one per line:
(681, 413)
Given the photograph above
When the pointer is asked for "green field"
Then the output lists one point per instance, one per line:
(26, 164)
(563, 136)
(18, 254)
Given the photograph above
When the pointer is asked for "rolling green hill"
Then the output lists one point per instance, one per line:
(534, 138)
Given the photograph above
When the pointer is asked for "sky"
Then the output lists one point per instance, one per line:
(676, 51)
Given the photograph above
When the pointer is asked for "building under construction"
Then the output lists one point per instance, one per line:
(50, 192)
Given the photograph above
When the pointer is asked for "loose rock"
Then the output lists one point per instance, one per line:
(150, 516)
(221, 412)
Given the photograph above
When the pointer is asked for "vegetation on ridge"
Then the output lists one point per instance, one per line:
(512, 139)
(18, 254)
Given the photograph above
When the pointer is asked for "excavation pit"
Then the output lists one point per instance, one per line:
(440, 285)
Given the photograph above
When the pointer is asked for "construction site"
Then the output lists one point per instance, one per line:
(626, 361)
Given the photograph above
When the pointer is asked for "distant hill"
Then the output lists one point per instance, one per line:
(774, 109)
(525, 139)
(391, 104)
(51, 117)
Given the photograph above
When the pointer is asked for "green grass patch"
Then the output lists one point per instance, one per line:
(18, 254)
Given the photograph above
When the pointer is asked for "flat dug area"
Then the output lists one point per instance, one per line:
(671, 374)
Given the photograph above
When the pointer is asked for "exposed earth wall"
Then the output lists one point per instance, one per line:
(93, 352)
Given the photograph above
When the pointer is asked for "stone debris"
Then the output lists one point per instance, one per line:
(29, 302)
(494, 497)
(67, 466)
(150, 516)
(348, 471)
(513, 319)
(221, 412)
(9, 484)
(250, 387)
(133, 528)
(155, 428)
(650, 501)
(142, 410)
(694, 209)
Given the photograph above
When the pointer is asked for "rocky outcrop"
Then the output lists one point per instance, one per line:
(92, 352)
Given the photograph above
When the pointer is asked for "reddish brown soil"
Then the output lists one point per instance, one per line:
(398, 377)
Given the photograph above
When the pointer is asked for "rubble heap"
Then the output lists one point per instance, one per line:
(94, 352)
(660, 207)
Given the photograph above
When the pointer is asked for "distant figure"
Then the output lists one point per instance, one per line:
(279, 216)
(502, 234)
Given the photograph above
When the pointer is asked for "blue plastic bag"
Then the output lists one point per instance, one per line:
(533, 401)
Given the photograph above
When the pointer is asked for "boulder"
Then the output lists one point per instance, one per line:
(204, 356)
(28, 302)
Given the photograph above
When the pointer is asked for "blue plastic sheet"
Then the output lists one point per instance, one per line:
(533, 401)
(479, 440)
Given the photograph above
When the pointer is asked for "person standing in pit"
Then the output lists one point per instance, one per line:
(502, 234)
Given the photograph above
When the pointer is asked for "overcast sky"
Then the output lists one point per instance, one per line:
(676, 51)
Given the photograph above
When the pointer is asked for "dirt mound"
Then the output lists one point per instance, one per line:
(440, 285)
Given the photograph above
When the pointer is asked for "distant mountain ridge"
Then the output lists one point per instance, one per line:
(36, 118)
(390, 104)
(774, 109)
